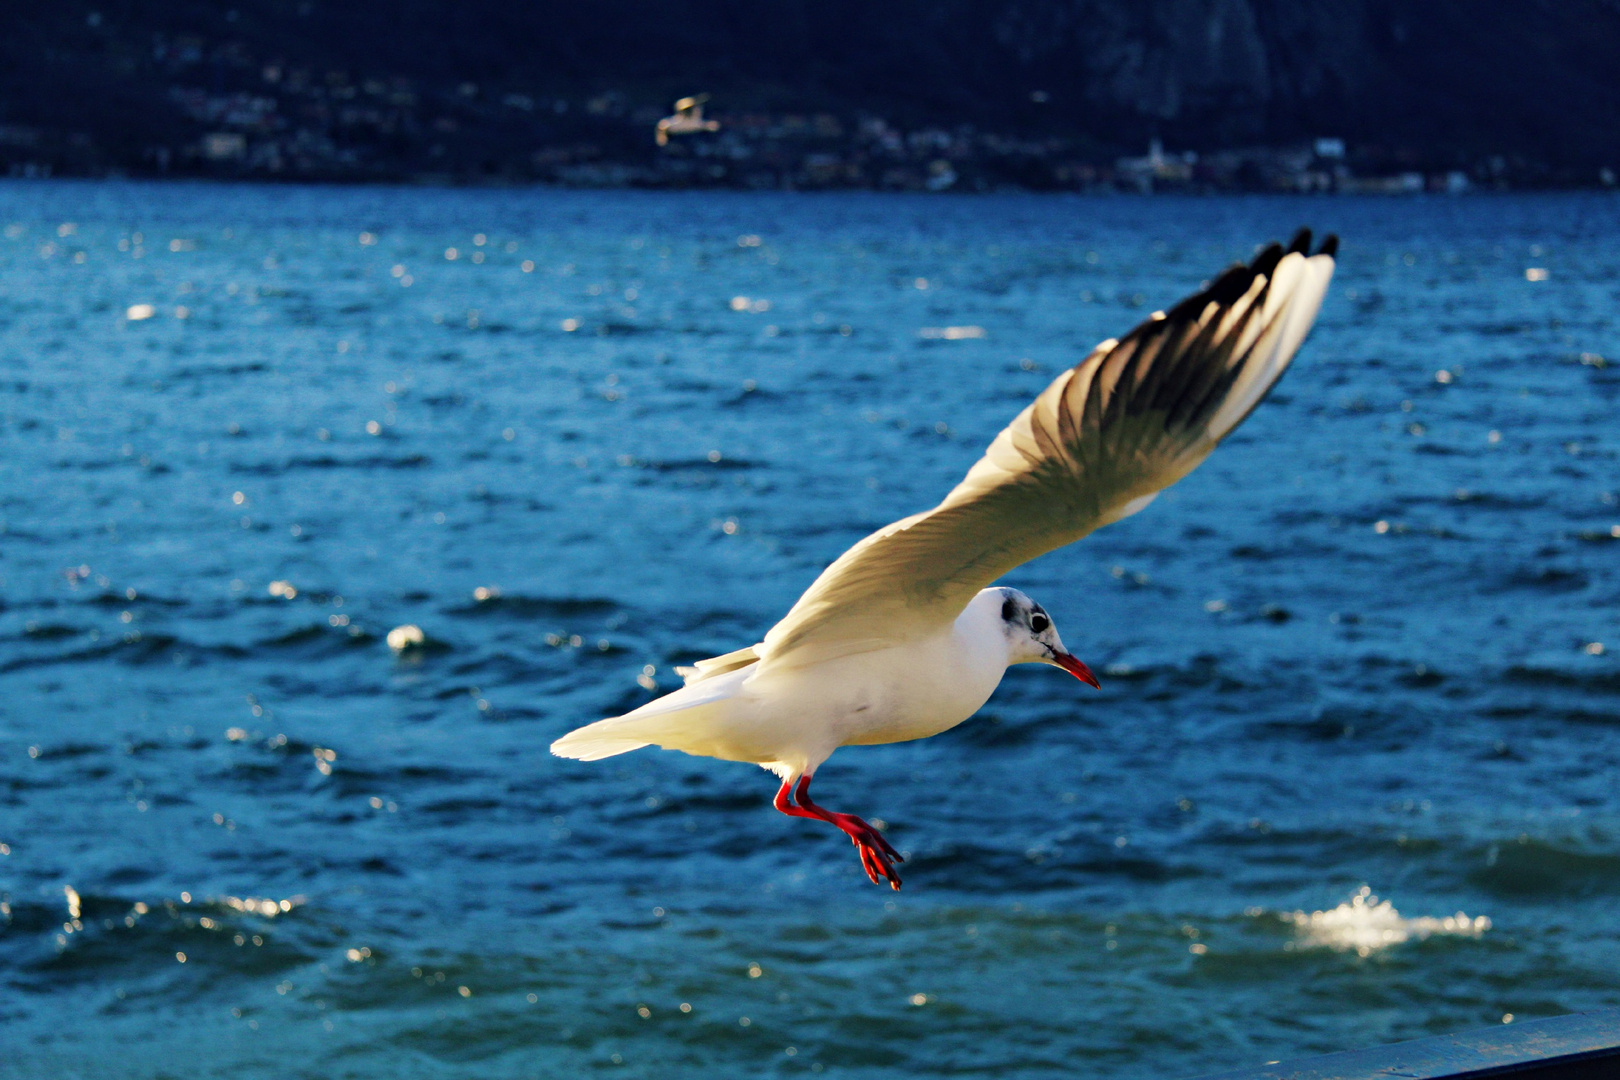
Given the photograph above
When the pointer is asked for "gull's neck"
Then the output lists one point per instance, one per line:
(981, 633)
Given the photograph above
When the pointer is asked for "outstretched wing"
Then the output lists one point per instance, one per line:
(1096, 446)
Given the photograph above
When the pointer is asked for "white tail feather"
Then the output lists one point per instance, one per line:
(590, 744)
(676, 721)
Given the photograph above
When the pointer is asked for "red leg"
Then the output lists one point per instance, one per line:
(877, 855)
(859, 831)
(782, 803)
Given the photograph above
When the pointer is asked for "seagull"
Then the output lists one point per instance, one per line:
(686, 120)
(905, 635)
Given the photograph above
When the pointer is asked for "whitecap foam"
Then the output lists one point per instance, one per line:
(1365, 923)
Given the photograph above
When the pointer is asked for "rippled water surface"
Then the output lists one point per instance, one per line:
(1373, 642)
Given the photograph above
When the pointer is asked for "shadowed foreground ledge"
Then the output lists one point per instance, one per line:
(1584, 1046)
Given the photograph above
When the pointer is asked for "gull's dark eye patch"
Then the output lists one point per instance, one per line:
(1038, 622)
(1009, 610)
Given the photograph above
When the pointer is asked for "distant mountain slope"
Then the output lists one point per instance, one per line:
(126, 84)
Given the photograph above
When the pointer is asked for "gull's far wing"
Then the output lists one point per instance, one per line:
(1096, 446)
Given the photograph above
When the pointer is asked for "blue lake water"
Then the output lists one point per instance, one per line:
(1373, 644)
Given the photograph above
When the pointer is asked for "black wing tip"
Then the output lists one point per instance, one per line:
(1266, 262)
(1230, 285)
(1235, 280)
(1302, 244)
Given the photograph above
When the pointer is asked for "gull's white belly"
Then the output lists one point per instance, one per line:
(800, 716)
(914, 693)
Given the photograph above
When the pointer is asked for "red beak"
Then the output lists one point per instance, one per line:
(1074, 667)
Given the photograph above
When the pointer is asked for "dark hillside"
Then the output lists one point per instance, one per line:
(1521, 92)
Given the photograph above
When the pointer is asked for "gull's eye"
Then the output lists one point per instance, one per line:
(1039, 623)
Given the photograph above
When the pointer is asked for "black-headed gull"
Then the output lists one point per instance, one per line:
(903, 637)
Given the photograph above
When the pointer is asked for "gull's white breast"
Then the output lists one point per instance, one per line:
(799, 716)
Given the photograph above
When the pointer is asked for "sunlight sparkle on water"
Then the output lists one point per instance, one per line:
(1365, 923)
(405, 637)
(264, 906)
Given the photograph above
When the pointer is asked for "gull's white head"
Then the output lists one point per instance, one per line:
(1032, 637)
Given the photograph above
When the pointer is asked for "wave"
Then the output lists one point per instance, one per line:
(1549, 579)
(318, 633)
(1597, 681)
(489, 602)
(130, 647)
(967, 867)
(91, 934)
(326, 461)
(680, 464)
(1528, 868)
